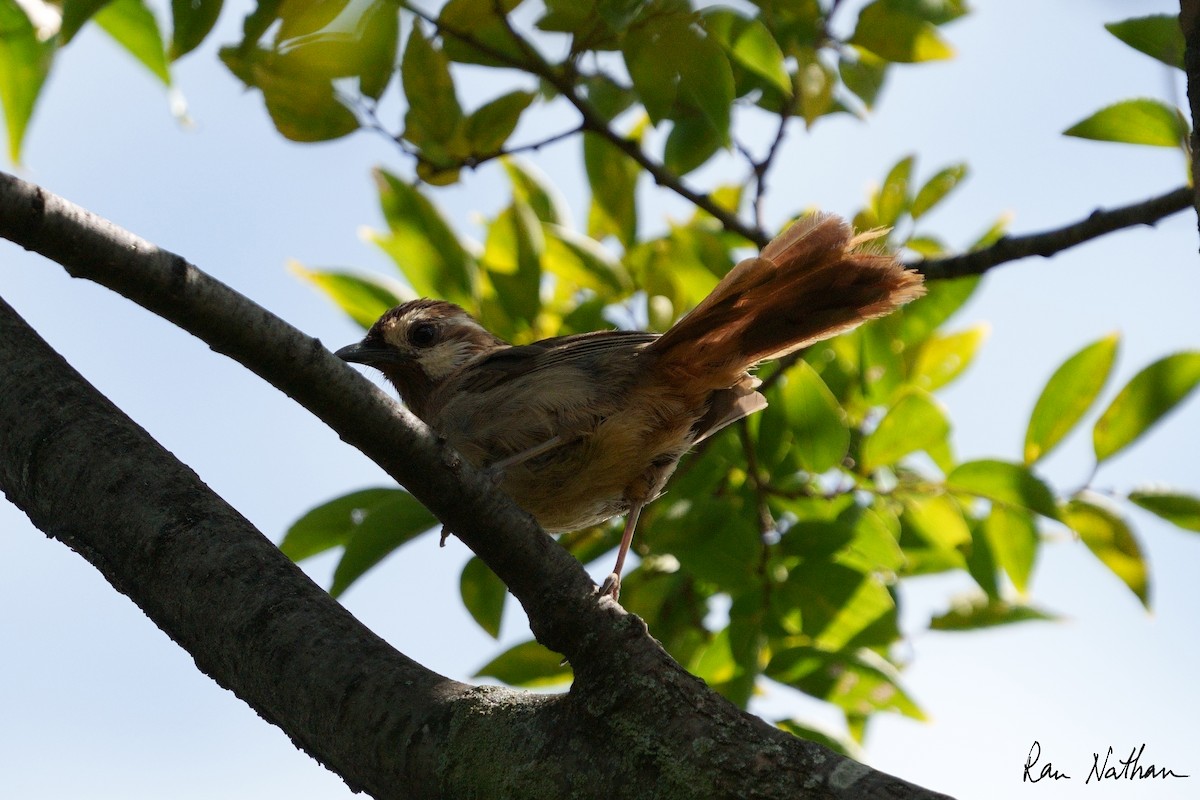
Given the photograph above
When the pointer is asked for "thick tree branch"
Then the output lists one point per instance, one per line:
(90, 477)
(1047, 243)
(634, 723)
(1189, 20)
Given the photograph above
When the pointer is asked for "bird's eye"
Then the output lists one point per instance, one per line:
(422, 334)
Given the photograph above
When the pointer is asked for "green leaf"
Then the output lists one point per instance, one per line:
(920, 318)
(915, 422)
(422, 243)
(192, 20)
(935, 12)
(24, 64)
(820, 435)
(859, 683)
(1148, 396)
(1004, 483)
(1158, 36)
(812, 538)
(259, 21)
(706, 84)
(532, 186)
(875, 544)
(374, 48)
(483, 594)
(1141, 121)
(333, 523)
(864, 75)
(581, 262)
(714, 663)
(926, 246)
(434, 115)
(936, 189)
(513, 257)
(386, 527)
(1069, 393)
(74, 14)
(893, 198)
(895, 33)
(613, 178)
(363, 298)
(1176, 507)
(319, 42)
(527, 664)
(678, 71)
(835, 602)
(489, 127)
(750, 45)
(981, 563)
(131, 24)
(1012, 536)
(691, 142)
(671, 268)
(815, 81)
(303, 108)
(729, 559)
(475, 32)
(974, 613)
(607, 96)
(883, 369)
(654, 50)
(995, 233)
(941, 359)
(1112, 541)
(938, 520)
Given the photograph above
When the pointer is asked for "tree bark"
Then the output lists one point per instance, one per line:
(634, 723)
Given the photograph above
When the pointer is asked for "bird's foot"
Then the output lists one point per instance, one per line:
(611, 586)
(494, 474)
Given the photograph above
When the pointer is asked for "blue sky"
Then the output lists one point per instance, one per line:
(98, 703)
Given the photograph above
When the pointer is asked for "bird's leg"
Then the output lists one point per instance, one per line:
(496, 469)
(612, 584)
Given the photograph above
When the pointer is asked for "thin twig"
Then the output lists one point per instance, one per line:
(1189, 20)
(373, 124)
(761, 168)
(1047, 243)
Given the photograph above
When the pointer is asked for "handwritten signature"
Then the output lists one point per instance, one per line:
(1130, 768)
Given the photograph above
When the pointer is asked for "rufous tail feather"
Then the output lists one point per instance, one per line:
(812, 282)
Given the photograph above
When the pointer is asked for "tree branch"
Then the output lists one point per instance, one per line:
(90, 477)
(1189, 20)
(1047, 243)
(634, 724)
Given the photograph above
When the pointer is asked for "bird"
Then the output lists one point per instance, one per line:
(582, 428)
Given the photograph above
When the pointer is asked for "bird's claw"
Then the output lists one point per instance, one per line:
(493, 474)
(611, 586)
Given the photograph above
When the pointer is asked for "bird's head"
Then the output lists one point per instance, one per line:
(418, 345)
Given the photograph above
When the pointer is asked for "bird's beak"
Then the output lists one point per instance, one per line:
(369, 353)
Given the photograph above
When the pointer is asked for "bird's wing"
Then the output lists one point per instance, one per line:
(497, 368)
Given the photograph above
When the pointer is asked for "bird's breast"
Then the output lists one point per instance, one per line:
(618, 441)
